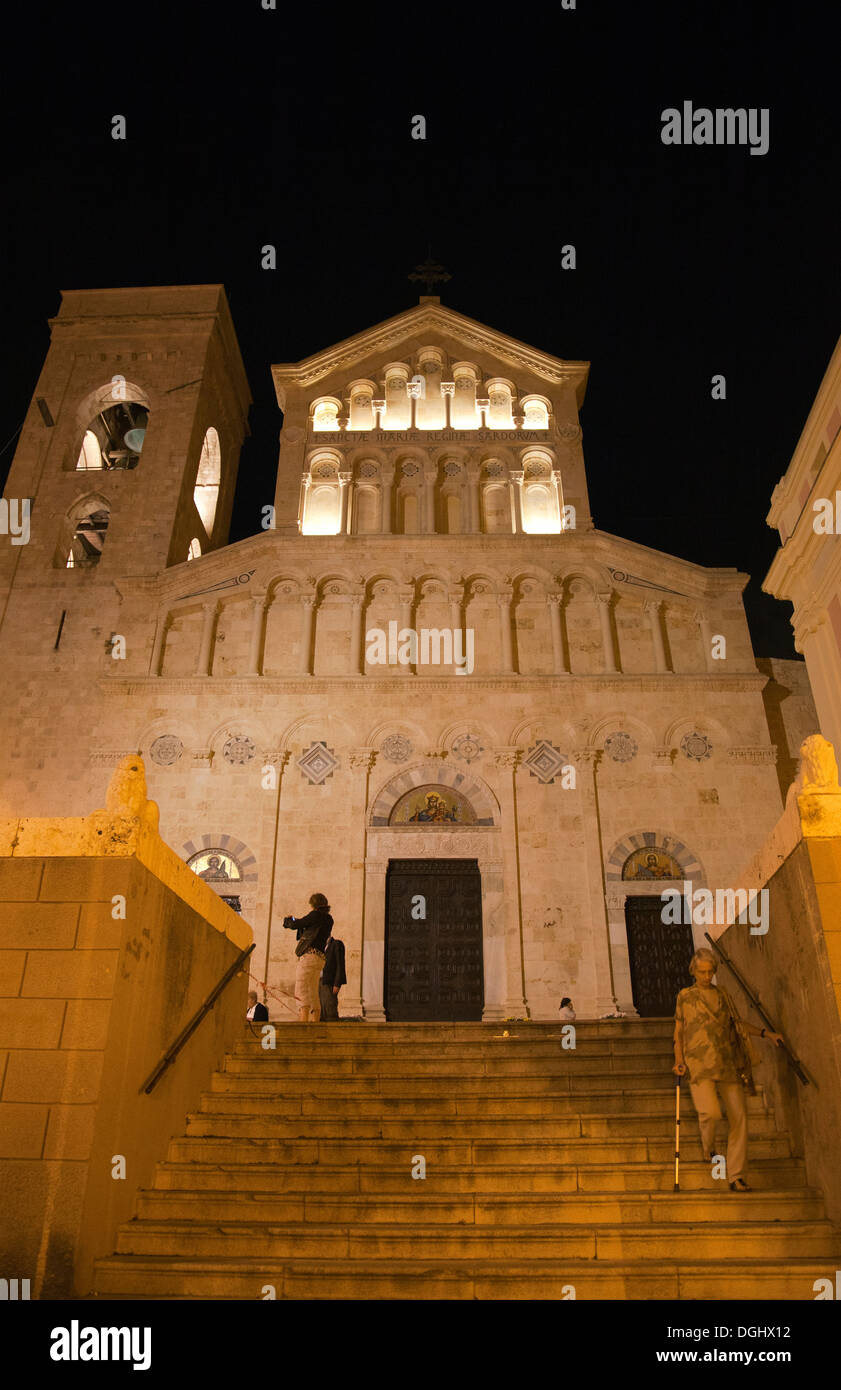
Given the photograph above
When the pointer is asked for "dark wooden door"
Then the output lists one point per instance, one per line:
(659, 953)
(433, 963)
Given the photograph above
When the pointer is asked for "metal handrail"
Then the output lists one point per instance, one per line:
(173, 1051)
(791, 1057)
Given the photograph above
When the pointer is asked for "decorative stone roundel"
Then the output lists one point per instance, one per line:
(494, 470)
(620, 747)
(409, 469)
(396, 748)
(324, 470)
(536, 470)
(452, 468)
(696, 746)
(166, 750)
(367, 470)
(466, 747)
(239, 749)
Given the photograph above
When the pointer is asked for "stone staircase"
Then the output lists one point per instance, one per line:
(545, 1169)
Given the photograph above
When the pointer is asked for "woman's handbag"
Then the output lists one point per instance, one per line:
(306, 941)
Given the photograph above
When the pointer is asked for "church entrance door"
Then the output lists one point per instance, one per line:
(659, 954)
(434, 969)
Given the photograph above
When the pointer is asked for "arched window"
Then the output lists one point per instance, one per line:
(326, 416)
(114, 438)
(362, 405)
(206, 491)
(321, 517)
(195, 549)
(496, 505)
(367, 510)
(90, 523)
(540, 513)
(535, 414)
(499, 411)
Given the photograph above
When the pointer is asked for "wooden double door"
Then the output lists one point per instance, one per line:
(659, 954)
(434, 969)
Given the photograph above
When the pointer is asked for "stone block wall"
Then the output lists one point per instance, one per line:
(88, 1005)
(795, 969)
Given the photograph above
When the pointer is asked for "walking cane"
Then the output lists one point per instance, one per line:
(677, 1135)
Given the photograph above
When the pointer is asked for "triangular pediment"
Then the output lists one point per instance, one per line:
(427, 319)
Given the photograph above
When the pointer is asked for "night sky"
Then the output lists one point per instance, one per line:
(247, 127)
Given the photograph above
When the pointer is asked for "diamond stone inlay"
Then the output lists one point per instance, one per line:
(544, 761)
(317, 763)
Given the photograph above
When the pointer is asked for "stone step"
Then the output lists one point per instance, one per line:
(465, 1050)
(549, 1279)
(465, 1152)
(770, 1175)
(676, 1241)
(497, 1065)
(416, 1127)
(460, 1032)
(524, 1209)
(244, 1101)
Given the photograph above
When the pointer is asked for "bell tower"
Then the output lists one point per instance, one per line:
(130, 448)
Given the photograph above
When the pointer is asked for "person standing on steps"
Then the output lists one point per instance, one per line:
(707, 1045)
(332, 978)
(313, 932)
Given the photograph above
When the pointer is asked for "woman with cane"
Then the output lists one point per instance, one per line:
(708, 1045)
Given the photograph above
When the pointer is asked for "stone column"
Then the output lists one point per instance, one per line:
(357, 615)
(209, 611)
(406, 597)
(373, 941)
(379, 410)
(504, 601)
(429, 480)
(559, 661)
(474, 524)
(307, 617)
(559, 496)
(483, 405)
(652, 608)
(706, 640)
(361, 762)
(161, 628)
(414, 390)
(515, 991)
(586, 763)
(385, 513)
(306, 484)
(258, 609)
(278, 761)
(455, 597)
(344, 504)
(448, 390)
(516, 476)
(607, 632)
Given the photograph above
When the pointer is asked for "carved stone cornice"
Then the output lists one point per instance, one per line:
(753, 755)
(507, 757)
(362, 759)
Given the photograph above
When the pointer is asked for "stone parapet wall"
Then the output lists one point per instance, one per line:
(89, 1002)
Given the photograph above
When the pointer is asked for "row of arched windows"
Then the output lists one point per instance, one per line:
(423, 400)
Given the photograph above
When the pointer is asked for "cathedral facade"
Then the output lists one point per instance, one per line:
(428, 687)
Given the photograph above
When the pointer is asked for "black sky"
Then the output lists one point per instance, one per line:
(247, 127)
